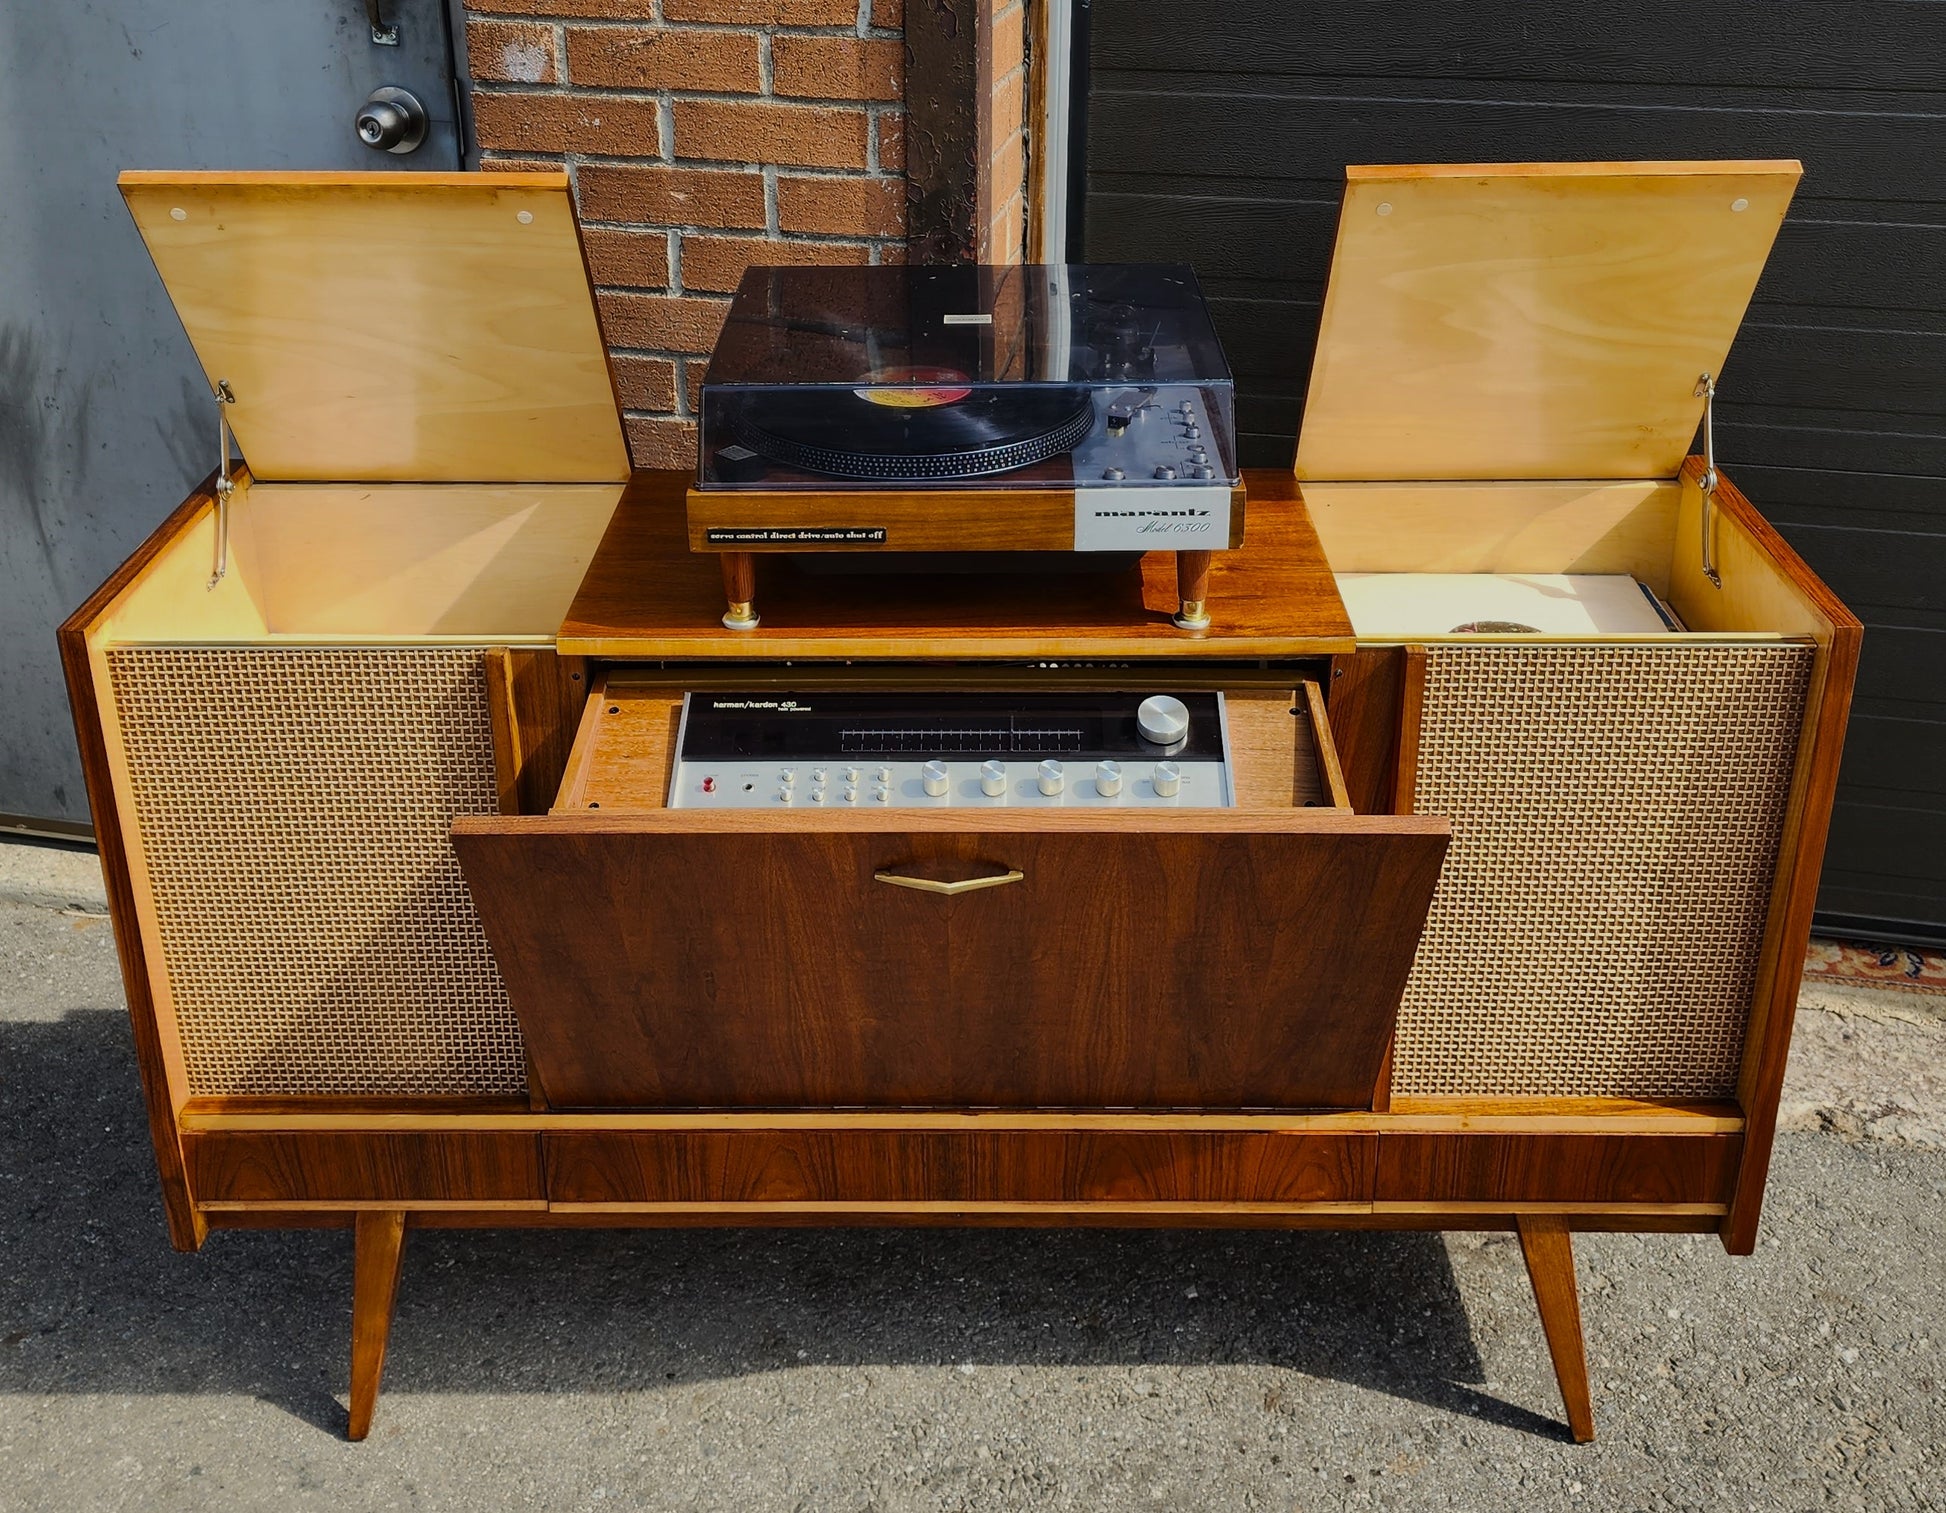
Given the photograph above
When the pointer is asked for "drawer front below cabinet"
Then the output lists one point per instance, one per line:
(1114, 960)
(906, 1166)
(329, 1166)
(1465, 1168)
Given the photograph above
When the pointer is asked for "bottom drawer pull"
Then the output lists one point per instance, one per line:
(965, 885)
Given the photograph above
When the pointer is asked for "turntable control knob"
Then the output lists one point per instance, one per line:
(1202, 470)
(1052, 778)
(1162, 719)
(1165, 471)
(1191, 432)
(933, 777)
(1108, 779)
(1113, 475)
(1168, 779)
(993, 779)
(1187, 408)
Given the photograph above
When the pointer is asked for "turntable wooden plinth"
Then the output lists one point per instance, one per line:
(647, 595)
(740, 524)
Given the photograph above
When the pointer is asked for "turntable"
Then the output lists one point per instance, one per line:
(967, 409)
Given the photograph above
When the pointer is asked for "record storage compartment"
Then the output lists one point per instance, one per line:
(289, 745)
(1624, 806)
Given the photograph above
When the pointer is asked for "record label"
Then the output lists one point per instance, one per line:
(915, 388)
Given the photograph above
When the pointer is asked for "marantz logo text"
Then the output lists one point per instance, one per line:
(1187, 522)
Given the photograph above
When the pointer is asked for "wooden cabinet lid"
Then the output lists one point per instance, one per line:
(390, 326)
(1532, 320)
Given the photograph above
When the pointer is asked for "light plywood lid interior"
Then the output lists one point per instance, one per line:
(390, 326)
(1532, 320)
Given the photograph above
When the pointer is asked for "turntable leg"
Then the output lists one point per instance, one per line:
(1192, 589)
(740, 589)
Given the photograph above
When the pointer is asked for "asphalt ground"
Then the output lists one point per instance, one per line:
(856, 1370)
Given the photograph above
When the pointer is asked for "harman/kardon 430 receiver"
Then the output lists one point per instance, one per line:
(750, 750)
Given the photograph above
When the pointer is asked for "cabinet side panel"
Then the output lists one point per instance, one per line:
(1617, 812)
(88, 701)
(293, 806)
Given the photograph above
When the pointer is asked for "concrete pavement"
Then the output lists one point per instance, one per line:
(895, 1370)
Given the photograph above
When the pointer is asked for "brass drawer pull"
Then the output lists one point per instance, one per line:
(965, 885)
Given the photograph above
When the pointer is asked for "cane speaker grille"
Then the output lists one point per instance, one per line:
(294, 806)
(1617, 813)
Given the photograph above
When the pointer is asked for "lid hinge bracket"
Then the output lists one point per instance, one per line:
(1706, 389)
(224, 487)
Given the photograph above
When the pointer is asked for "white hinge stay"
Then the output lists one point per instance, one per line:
(1706, 389)
(224, 488)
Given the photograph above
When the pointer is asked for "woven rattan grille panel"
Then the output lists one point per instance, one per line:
(1616, 819)
(294, 808)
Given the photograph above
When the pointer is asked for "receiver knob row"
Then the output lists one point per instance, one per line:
(936, 778)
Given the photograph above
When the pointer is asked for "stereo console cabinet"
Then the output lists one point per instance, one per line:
(1503, 931)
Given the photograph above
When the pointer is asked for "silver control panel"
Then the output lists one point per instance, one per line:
(750, 750)
(1150, 476)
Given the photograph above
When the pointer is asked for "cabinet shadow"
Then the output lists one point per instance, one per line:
(94, 1300)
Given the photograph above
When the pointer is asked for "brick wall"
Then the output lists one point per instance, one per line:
(1003, 169)
(702, 136)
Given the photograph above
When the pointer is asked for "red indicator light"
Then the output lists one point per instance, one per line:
(709, 785)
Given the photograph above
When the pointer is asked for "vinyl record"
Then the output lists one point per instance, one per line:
(847, 433)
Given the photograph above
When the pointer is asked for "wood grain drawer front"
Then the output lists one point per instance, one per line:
(1466, 1168)
(906, 1166)
(1227, 960)
(315, 1166)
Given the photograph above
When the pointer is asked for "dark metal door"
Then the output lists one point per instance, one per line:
(105, 421)
(1228, 152)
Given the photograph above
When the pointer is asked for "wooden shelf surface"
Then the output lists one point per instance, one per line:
(646, 595)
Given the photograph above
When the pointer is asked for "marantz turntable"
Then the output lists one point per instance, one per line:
(967, 409)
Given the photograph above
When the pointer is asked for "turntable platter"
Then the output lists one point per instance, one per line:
(936, 433)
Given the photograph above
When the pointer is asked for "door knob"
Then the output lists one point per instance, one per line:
(392, 119)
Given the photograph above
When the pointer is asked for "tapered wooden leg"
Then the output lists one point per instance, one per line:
(1549, 1249)
(380, 1242)
(740, 590)
(1192, 590)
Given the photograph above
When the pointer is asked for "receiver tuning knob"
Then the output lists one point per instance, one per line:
(1162, 719)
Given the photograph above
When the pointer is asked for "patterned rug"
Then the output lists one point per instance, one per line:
(1860, 964)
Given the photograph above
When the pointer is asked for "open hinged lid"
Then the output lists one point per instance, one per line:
(390, 326)
(1532, 320)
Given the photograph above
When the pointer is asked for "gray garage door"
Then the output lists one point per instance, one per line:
(1218, 134)
(105, 420)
